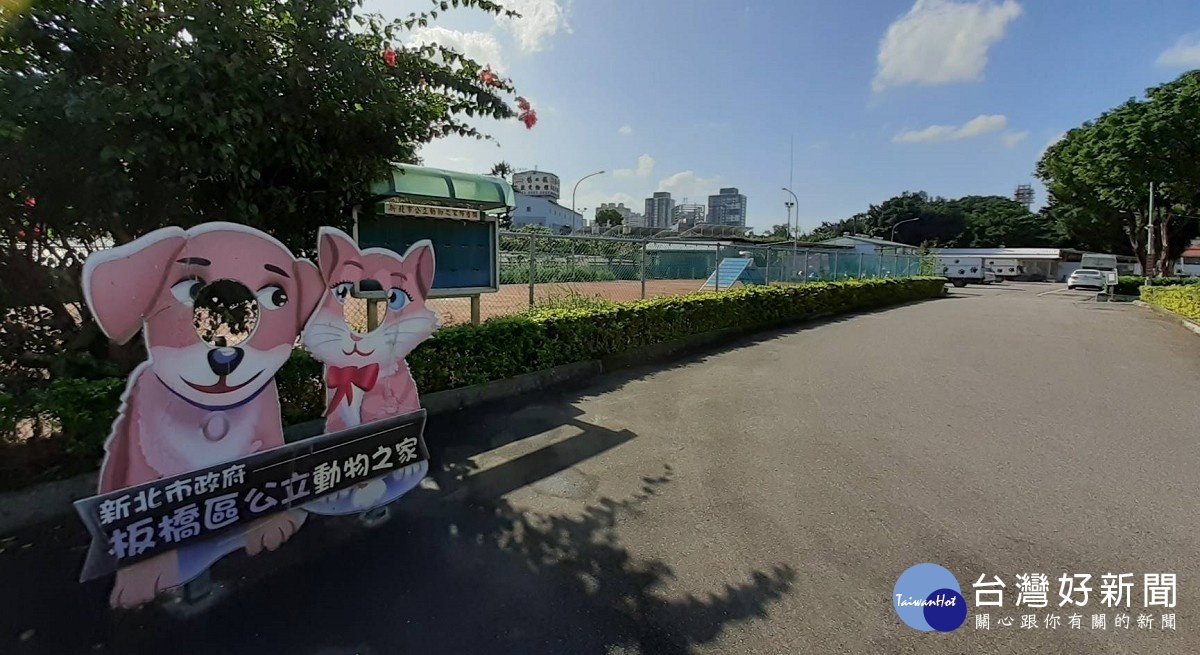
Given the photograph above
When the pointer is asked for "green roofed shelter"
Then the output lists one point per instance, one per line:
(446, 188)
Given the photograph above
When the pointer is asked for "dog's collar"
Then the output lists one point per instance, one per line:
(213, 408)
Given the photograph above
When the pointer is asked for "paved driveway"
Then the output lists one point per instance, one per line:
(762, 499)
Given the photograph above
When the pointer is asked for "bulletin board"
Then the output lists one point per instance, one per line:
(465, 251)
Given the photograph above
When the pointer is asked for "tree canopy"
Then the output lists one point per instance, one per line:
(1099, 174)
(119, 117)
(608, 216)
(971, 221)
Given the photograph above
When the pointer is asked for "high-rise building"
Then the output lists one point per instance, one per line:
(689, 215)
(536, 183)
(658, 210)
(727, 208)
(636, 220)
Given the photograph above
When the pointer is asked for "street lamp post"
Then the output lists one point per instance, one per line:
(896, 225)
(794, 234)
(577, 187)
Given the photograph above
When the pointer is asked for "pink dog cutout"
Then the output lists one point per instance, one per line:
(190, 404)
(366, 376)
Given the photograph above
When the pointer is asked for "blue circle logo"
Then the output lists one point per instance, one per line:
(927, 597)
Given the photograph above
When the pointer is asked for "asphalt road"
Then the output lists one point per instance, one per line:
(760, 499)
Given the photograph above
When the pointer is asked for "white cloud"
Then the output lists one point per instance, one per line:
(978, 126)
(645, 167)
(688, 185)
(1013, 139)
(1184, 54)
(480, 46)
(941, 42)
(540, 20)
(625, 130)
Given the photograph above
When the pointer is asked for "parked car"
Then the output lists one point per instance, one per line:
(1086, 278)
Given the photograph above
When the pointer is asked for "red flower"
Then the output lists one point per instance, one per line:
(31, 202)
(522, 103)
(488, 77)
(389, 57)
(529, 118)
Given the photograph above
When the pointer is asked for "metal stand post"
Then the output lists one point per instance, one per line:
(767, 272)
(199, 588)
(372, 315)
(475, 309)
(643, 270)
(860, 261)
(717, 268)
(532, 266)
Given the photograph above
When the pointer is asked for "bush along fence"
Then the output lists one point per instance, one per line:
(69, 418)
(1183, 300)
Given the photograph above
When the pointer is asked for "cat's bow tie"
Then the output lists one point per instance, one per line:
(343, 379)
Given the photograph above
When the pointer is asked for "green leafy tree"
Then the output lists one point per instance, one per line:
(119, 117)
(993, 221)
(608, 217)
(776, 232)
(1100, 173)
(502, 169)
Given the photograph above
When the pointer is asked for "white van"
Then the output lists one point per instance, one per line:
(961, 271)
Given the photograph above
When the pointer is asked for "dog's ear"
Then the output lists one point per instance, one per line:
(418, 260)
(310, 286)
(121, 284)
(334, 249)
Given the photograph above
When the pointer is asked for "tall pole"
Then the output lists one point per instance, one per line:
(794, 234)
(1150, 263)
(577, 187)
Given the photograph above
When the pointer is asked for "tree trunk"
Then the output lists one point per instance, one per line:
(1164, 245)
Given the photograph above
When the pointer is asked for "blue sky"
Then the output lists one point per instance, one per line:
(880, 96)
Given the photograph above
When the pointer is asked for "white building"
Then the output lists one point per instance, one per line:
(538, 210)
(536, 183)
(1189, 263)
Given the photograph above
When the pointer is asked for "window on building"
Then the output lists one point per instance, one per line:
(528, 208)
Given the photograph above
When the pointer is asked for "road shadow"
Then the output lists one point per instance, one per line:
(467, 578)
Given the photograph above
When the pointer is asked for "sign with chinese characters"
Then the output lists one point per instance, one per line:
(397, 208)
(137, 523)
(1112, 594)
(928, 597)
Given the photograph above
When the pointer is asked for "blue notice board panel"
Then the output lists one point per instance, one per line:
(465, 252)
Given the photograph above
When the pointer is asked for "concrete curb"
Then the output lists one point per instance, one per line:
(51, 500)
(1185, 322)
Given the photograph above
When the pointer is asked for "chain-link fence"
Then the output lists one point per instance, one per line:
(538, 270)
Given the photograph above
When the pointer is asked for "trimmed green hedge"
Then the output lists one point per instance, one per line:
(1128, 285)
(80, 412)
(1183, 300)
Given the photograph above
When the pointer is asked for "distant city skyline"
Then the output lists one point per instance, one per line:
(951, 97)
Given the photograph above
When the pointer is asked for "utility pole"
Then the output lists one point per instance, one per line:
(1151, 264)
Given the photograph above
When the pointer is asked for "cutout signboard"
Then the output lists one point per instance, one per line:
(195, 465)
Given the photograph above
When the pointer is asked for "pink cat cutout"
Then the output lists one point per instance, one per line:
(366, 376)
